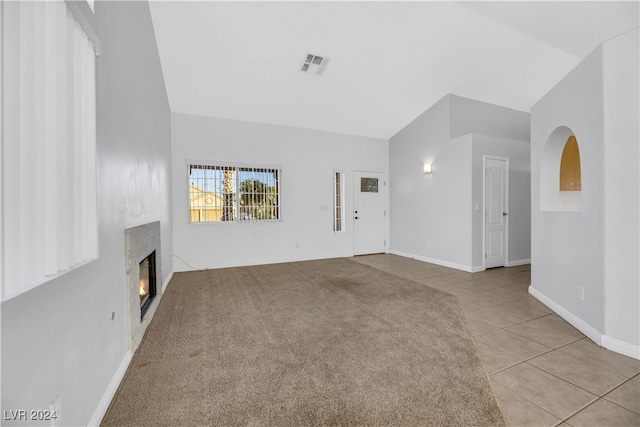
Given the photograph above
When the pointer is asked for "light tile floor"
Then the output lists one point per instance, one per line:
(544, 372)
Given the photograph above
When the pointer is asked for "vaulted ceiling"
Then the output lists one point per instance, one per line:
(388, 61)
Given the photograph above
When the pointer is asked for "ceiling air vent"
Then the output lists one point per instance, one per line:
(314, 64)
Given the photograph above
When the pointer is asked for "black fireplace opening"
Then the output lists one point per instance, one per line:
(147, 282)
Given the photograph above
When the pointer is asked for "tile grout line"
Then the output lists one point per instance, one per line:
(586, 406)
(560, 418)
(513, 324)
(598, 398)
(586, 361)
(523, 397)
(604, 396)
(538, 342)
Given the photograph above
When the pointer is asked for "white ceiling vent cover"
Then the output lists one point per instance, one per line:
(314, 64)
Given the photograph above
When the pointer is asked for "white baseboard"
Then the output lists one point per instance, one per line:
(613, 344)
(591, 333)
(101, 409)
(467, 268)
(621, 347)
(518, 262)
(166, 281)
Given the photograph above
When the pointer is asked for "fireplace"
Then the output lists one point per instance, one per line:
(147, 282)
(144, 280)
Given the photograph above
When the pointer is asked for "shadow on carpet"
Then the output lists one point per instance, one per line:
(328, 342)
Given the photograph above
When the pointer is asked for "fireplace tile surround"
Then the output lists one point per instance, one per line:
(140, 242)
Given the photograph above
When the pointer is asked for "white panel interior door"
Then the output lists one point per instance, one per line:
(495, 173)
(368, 212)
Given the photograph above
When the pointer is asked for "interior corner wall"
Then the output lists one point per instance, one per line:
(622, 191)
(59, 342)
(469, 116)
(433, 217)
(519, 209)
(597, 248)
(430, 213)
(568, 247)
(308, 159)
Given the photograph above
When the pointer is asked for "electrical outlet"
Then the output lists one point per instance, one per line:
(581, 293)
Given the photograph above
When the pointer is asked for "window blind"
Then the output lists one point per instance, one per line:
(49, 213)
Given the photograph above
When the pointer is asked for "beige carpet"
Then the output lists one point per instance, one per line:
(328, 342)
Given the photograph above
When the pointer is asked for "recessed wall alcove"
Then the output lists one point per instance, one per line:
(561, 173)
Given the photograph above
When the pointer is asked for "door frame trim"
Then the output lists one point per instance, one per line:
(386, 206)
(484, 209)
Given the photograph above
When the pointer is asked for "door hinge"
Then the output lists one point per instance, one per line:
(485, 255)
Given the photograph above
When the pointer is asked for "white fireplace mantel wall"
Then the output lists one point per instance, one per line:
(140, 242)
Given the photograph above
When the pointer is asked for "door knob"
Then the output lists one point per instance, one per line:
(504, 214)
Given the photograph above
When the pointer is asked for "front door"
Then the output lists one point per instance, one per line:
(495, 176)
(369, 213)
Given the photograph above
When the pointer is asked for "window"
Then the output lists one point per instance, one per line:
(49, 206)
(338, 201)
(368, 185)
(227, 193)
(560, 172)
(570, 177)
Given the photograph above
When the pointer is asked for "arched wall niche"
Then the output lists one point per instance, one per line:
(560, 172)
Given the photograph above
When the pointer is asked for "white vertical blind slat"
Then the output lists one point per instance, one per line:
(1, 171)
(38, 160)
(52, 106)
(28, 123)
(90, 198)
(62, 155)
(70, 99)
(11, 133)
(86, 152)
(77, 145)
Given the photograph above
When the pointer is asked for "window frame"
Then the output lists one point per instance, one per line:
(237, 210)
(338, 227)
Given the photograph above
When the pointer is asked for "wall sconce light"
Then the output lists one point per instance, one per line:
(427, 168)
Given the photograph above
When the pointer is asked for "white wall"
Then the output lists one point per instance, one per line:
(308, 159)
(622, 191)
(595, 248)
(448, 200)
(567, 247)
(471, 116)
(413, 203)
(433, 217)
(58, 339)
